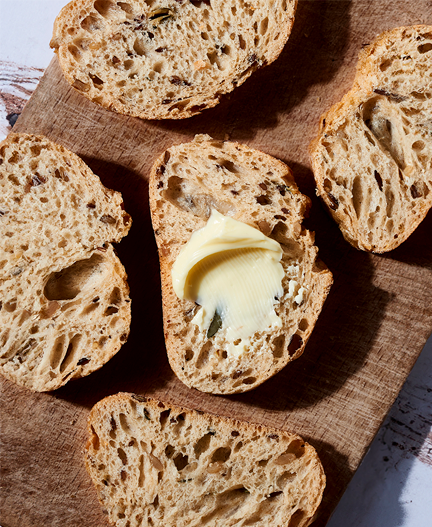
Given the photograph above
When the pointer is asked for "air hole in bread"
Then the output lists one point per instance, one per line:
(418, 145)
(285, 478)
(111, 310)
(202, 445)
(103, 7)
(57, 350)
(378, 179)
(90, 308)
(94, 439)
(141, 471)
(75, 52)
(81, 86)
(68, 283)
(164, 417)
(70, 354)
(415, 192)
(102, 341)
(11, 305)
(92, 23)
(97, 82)
(127, 8)
(425, 48)
(304, 324)
(181, 461)
(263, 26)
(13, 179)
(296, 447)
(222, 454)
(249, 380)
(295, 344)
(296, 518)
(204, 355)
(122, 455)
(169, 451)
(327, 185)
(124, 424)
(390, 202)
(357, 194)
(278, 346)
(139, 47)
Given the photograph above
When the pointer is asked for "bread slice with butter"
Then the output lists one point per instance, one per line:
(64, 299)
(372, 157)
(247, 302)
(156, 464)
(168, 59)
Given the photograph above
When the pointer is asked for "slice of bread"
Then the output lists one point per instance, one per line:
(64, 304)
(372, 159)
(156, 464)
(186, 183)
(168, 59)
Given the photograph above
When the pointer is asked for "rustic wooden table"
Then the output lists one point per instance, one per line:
(371, 331)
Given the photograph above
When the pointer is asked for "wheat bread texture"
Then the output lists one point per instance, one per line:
(156, 464)
(186, 183)
(64, 299)
(372, 159)
(167, 59)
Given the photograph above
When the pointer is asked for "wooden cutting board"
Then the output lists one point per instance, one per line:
(373, 326)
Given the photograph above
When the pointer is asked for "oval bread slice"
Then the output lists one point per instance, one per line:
(372, 159)
(167, 59)
(186, 183)
(64, 299)
(156, 464)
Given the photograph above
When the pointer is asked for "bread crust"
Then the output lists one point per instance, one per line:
(64, 298)
(372, 157)
(171, 60)
(186, 182)
(155, 463)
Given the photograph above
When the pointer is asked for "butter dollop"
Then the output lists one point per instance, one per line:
(232, 269)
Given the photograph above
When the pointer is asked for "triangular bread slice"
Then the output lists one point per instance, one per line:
(64, 299)
(156, 464)
(372, 158)
(167, 59)
(187, 182)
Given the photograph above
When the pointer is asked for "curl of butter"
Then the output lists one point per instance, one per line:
(233, 269)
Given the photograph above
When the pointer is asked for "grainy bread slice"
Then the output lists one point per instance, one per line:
(167, 59)
(155, 464)
(372, 159)
(64, 305)
(186, 182)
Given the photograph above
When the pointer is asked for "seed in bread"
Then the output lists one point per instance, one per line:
(187, 183)
(64, 304)
(157, 464)
(372, 158)
(168, 59)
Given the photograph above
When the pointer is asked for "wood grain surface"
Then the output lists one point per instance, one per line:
(373, 326)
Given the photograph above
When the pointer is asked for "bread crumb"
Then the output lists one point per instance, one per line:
(200, 65)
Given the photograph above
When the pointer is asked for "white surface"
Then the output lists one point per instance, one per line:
(393, 486)
(25, 30)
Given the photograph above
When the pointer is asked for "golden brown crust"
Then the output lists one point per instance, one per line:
(154, 463)
(168, 61)
(371, 159)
